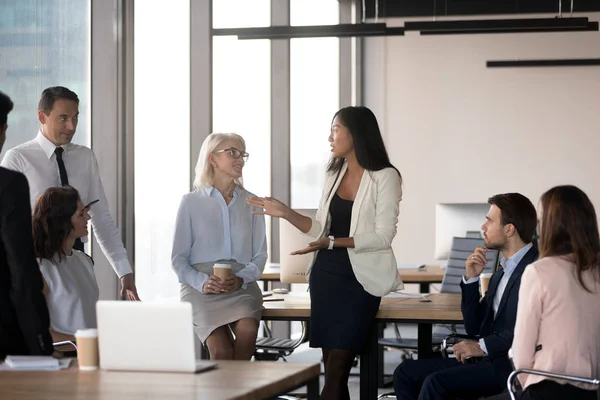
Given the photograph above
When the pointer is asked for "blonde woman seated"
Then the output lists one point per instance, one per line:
(216, 225)
(70, 287)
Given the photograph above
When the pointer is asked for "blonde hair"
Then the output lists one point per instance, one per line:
(204, 170)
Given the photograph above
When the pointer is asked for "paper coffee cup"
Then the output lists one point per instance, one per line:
(87, 349)
(484, 281)
(222, 271)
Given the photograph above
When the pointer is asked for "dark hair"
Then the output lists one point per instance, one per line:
(518, 210)
(368, 143)
(569, 227)
(51, 94)
(52, 220)
(6, 106)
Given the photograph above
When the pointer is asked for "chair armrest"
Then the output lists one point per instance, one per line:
(64, 343)
(514, 374)
(451, 340)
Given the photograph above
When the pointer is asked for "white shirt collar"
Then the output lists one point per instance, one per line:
(509, 265)
(208, 189)
(48, 146)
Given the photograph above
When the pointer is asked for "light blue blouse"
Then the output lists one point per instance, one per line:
(208, 230)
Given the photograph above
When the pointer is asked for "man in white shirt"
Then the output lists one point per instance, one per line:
(509, 227)
(52, 160)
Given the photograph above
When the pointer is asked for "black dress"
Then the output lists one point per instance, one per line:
(342, 313)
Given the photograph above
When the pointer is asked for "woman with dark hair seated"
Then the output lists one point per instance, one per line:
(558, 318)
(70, 287)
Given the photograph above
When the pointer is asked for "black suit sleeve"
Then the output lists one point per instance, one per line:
(472, 309)
(27, 284)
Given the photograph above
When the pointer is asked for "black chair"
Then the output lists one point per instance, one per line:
(510, 383)
(272, 349)
(513, 384)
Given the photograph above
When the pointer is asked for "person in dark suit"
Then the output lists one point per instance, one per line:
(24, 320)
(509, 227)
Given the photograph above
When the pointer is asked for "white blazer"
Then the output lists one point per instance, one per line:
(373, 227)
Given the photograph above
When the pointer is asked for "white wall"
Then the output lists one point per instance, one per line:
(460, 132)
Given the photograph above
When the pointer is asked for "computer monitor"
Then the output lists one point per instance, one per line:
(293, 268)
(455, 220)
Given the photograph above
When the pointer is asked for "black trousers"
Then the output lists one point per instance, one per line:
(550, 390)
(433, 379)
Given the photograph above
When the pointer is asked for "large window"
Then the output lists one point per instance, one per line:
(42, 44)
(314, 96)
(242, 88)
(162, 139)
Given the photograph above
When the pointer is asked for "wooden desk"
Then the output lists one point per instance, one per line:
(271, 273)
(443, 308)
(233, 380)
(431, 274)
(424, 277)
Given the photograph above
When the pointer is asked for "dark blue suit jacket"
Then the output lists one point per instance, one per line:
(497, 331)
(24, 318)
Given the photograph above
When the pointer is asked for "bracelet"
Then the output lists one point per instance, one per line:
(330, 247)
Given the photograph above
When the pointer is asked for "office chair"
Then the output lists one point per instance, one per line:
(513, 384)
(70, 351)
(510, 383)
(272, 349)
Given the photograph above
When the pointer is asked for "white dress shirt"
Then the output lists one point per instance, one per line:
(209, 230)
(37, 161)
(509, 266)
(72, 292)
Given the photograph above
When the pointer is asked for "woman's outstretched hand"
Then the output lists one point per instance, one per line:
(269, 206)
(317, 245)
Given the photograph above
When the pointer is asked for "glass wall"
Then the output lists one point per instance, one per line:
(314, 96)
(42, 44)
(162, 139)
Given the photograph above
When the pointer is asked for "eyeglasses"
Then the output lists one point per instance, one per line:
(235, 153)
(87, 208)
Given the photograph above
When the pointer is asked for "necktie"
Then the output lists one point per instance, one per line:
(64, 181)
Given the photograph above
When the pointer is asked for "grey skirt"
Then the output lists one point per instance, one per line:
(215, 310)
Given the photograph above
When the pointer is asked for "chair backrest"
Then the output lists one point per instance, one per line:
(455, 270)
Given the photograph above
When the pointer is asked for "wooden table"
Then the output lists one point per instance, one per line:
(443, 308)
(233, 380)
(424, 277)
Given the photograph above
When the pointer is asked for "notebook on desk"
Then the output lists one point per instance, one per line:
(136, 336)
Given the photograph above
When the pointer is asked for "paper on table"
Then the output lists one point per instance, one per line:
(34, 363)
(410, 266)
(403, 295)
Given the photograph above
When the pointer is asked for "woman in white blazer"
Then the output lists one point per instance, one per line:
(353, 264)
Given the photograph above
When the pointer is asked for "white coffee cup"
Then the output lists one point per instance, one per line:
(222, 271)
(484, 282)
(87, 349)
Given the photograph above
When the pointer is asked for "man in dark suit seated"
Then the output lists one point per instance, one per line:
(509, 227)
(24, 319)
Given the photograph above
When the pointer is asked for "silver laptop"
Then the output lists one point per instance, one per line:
(293, 268)
(137, 336)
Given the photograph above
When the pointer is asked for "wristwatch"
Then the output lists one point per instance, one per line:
(330, 247)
